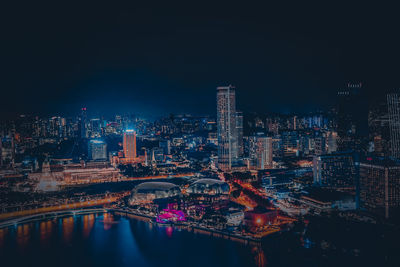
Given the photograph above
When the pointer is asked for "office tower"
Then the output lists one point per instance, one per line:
(260, 151)
(331, 142)
(82, 124)
(97, 150)
(1, 152)
(352, 117)
(166, 146)
(239, 130)
(129, 144)
(380, 186)
(379, 128)
(7, 150)
(157, 154)
(290, 143)
(95, 127)
(319, 145)
(338, 170)
(226, 123)
(394, 124)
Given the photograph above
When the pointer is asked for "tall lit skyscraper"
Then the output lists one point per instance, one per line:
(226, 123)
(380, 186)
(239, 130)
(82, 125)
(260, 151)
(97, 150)
(393, 102)
(129, 143)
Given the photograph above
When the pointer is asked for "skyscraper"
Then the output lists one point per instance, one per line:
(393, 103)
(97, 150)
(226, 123)
(380, 186)
(352, 117)
(239, 130)
(260, 151)
(337, 170)
(129, 144)
(82, 124)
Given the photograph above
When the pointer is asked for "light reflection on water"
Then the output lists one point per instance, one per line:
(109, 239)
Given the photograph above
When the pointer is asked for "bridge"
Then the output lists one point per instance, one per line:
(105, 199)
(50, 215)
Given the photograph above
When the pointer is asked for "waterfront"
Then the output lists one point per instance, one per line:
(106, 239)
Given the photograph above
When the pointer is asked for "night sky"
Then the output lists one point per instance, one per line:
(165, 58)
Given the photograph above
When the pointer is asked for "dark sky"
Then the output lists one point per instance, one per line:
(169, 58)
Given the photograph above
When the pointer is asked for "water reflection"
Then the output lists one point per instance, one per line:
(23, 235)
(3, 233)
(118, 241)
(88, 222)
(259, 256)
(108, 220)
(68, 228)
(46, 229)
(169, 231)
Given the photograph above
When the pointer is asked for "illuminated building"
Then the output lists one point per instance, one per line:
(166, 146)
(259, 217)
(97, 150)
(290, 140)
(226, 124)
(208, 187)
(149, 191)
(72, 174)
(336, 170)
(157, 154)
(331, 142)
(239, 130)
(393, 102)
(7, 150)
(95, 127)
(129, 145)
(170, 215)
(82, 125)
(319, 145)
(260, 151)
(380, 186)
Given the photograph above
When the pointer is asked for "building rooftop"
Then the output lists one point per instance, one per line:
(209, 181)
(155, 186)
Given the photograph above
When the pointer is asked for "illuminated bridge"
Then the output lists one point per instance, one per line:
(49, 215)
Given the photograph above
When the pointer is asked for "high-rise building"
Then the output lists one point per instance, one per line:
(226, 123)
(129, 144)
(97, 150)
(82, 124)
(260, 151)
(319, 145)
(157, 154)
(393, 102)
(380, 186)
(166, 146)
(290, 143)
(352, 117)
(95, 127)
(239, 130)
(337, 170)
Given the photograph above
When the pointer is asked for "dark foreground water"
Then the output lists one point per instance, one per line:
(112, 240)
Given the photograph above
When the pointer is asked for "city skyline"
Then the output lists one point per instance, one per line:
(195, 134)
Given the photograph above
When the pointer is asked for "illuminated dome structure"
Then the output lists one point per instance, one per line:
(208, 187)
(149, 191)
